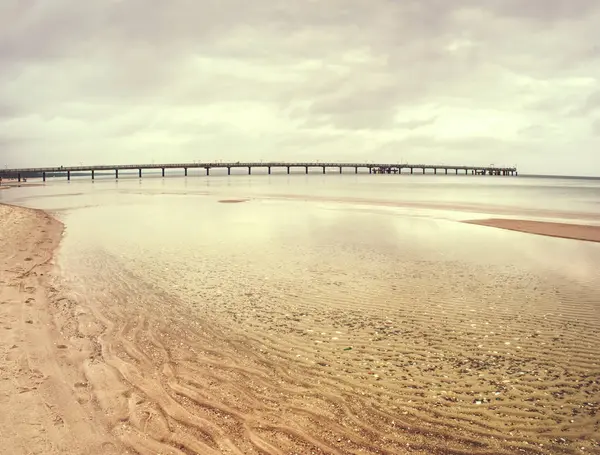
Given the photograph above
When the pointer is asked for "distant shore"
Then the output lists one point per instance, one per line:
(13, 183)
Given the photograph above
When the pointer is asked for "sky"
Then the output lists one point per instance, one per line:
(473, 82)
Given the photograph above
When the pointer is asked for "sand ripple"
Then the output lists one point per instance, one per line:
(431, 357)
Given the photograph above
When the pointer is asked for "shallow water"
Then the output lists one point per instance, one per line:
(476, 338)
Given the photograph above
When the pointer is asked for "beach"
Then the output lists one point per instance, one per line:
(40, 411)
(228, 328)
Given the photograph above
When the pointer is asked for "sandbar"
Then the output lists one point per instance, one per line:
(584, 232)
(232, 201)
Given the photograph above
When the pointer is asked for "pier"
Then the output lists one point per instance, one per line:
(287, 167)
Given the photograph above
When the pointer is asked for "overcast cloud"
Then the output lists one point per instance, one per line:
(435, 81)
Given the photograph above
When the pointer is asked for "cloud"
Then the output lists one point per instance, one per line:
(483, 81)
(596, 127)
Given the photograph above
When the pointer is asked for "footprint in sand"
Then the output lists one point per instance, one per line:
(82, 393)
(108, 448)
(108, 390)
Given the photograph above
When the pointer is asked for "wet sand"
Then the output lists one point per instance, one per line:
(40, 412)
(370, 355)
(562, 230)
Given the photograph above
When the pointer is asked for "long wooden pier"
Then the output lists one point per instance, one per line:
(381, 168)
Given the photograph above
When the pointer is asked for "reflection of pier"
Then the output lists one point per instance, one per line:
(371, 168)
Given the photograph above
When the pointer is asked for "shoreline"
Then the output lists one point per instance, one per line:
(582, 232)
(42, 412)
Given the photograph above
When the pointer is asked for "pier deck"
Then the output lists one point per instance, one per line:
(371, 168)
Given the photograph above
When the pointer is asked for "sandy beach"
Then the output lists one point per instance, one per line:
(40, 409)
(321, 366)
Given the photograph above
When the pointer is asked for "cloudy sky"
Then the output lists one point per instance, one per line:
(435, 81)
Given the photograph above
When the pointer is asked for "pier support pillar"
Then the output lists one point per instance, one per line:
(446, 171)
(411, 170)
(306, 169)
(323, 169)
(93, 174)
(19, 177)
(370, 170)
(456, 171)
(228, 170)
(43, 176)
(116, 174)
(356, 169)
(249, 170)
(163, 171)
(207, 171)
(288, 169)
(269, 170)
(140, 173)
(185, 171)
(69, 175)
(340, 169)
(423, 170)
(435, 170)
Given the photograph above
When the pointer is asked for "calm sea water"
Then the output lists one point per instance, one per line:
(164, 227)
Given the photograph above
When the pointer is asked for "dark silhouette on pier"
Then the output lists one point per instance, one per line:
(372, 168)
